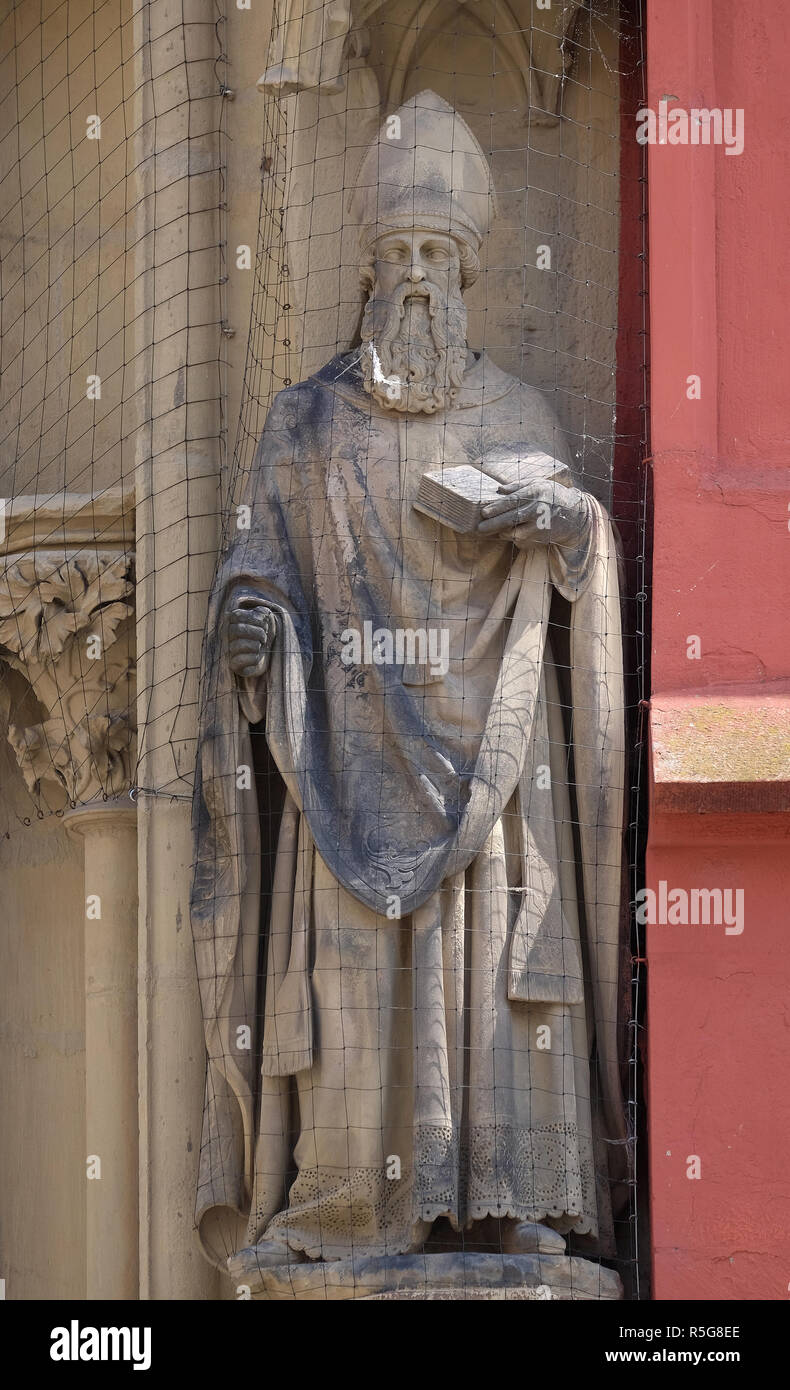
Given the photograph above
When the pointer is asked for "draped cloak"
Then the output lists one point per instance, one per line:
(417, 787)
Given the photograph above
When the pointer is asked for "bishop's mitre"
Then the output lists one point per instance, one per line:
(424, 169)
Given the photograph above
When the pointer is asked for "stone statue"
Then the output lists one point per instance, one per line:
(429, 1034)
(309, 48)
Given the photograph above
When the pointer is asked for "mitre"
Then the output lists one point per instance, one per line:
(424, 169)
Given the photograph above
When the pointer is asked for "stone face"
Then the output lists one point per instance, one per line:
(457, 1277)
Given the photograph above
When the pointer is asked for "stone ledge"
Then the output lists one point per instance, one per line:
(429, 1278)
(720, 753)
(64, 521)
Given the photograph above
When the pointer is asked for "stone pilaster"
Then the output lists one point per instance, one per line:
(66, 625)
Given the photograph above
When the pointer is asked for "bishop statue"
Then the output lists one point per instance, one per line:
(410, 999)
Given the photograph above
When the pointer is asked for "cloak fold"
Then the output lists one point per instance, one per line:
(380, 852)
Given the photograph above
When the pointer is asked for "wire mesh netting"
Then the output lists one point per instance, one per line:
(425, 1117)
(418, 812)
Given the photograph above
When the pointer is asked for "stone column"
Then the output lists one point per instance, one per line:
(177, 112)
(108, 831)
(66, 627)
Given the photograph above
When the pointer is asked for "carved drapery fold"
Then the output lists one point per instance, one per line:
(65, 604)
(309, 48)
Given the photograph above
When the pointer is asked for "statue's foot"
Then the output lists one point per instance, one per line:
(531, 1238)
(267, 1254)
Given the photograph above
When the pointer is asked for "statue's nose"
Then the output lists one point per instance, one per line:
(416, 272)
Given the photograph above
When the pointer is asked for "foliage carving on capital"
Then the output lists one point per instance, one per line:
(63, 625)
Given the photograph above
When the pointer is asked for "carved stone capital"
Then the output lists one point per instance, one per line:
(66, 607)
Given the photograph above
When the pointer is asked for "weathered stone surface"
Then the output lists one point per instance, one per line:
(555, 159)
(721, 753)
(457, 1277)
(416, 811)
(65, 605)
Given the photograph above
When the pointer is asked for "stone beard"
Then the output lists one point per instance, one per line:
(414, 347)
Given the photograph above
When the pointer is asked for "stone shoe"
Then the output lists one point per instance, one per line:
(531, 1238)
(267, 1254)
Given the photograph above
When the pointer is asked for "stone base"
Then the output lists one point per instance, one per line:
(436, 1278)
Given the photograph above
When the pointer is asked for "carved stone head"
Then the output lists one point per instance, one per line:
(423, 202)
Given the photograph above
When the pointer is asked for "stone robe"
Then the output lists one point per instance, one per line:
(459, 1059)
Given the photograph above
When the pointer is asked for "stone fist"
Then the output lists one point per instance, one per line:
(251, 631)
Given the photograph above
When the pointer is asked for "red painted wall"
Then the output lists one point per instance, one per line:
(718, 1022)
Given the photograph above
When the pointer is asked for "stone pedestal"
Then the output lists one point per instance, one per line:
(427, 1278)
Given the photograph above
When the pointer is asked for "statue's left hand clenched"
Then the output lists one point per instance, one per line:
(542, 513)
